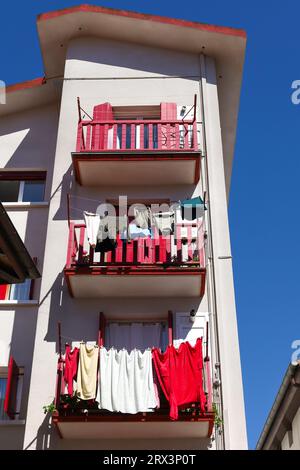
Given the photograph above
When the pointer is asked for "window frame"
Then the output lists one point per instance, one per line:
(4, 370)
(23, 177)
(11, 289)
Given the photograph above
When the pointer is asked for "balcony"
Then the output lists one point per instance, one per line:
(137, 152)
(78, 419)
(156, 425)
(165, 266)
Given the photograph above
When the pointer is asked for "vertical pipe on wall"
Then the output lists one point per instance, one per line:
(212, 304)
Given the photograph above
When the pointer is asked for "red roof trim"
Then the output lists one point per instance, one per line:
(28, 84)
(142, 16)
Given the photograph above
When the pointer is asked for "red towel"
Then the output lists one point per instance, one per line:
(180, 375)
(71, 367)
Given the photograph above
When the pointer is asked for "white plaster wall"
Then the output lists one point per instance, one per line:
(27, 141)
(232, 389)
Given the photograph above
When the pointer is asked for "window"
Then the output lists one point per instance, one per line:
(139, 113)
(3, 382)
(22, 186)
(20, 291)
(11, 383)
(33, 191)
(139, 334)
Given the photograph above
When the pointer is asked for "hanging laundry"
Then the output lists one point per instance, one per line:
(192, 209)
(136, 232)
(107, 234)
(108, 244)
(135, 335)
(164, 222)
(142, 217)
(111, 225)
(87, 371)
(71, 367)
(92, 223)
(126, 381)
(179, 372)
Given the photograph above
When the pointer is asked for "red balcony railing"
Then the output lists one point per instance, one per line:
(137, 135)
(183, 248)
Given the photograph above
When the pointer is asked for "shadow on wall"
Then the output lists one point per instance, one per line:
(43, 437)
(64, 188)
(29, 141)
(140, 58)
(25, 147)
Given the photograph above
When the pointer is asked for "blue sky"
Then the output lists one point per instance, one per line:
(265, 191)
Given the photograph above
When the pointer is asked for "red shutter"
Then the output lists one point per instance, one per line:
(10, 400)
(168, 112)
(101, 112)
(3, 291)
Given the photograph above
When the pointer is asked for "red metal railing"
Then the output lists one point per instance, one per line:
(136, 135)
(183, 248)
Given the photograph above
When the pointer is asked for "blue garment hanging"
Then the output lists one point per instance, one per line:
(192, 209)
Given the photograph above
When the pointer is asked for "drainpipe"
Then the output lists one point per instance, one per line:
(211, 284)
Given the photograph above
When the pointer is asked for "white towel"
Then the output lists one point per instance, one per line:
(92, 223)
(126, 381)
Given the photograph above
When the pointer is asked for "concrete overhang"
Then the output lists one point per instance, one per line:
(136, 168)
(57, 28)
(226, 45)
(140, 426)
(30, 94)
(95, 283)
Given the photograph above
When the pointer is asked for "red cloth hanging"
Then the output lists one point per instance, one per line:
(179, 372)
(101, 112)
(71, 367)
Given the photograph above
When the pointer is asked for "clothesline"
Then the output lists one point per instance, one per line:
(81, 210)
(105, 202)
(126, 382)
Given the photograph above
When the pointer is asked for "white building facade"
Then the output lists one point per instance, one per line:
(168, 92)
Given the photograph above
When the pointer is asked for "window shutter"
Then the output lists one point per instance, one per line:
(3, 291)
(10, 401)
(101, 112)
(185, 330)
(168, 111)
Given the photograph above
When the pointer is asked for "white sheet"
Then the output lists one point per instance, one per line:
(92, 222)
(126, 381)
